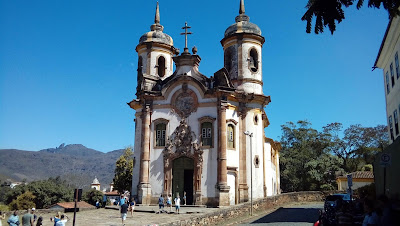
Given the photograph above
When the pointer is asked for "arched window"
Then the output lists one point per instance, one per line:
(160, 134)
(228, 60)
(140, 65)
(231, 136)
(253, 60)
(161, 66)
(206, 133)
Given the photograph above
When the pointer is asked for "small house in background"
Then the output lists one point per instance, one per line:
(360, 179)
(69, 206)
(95, 184)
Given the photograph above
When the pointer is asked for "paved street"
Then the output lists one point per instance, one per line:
(296, 215)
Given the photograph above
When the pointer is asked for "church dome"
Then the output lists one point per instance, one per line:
(243, 24)
(156, 34)
(242, 27)
(95, 181)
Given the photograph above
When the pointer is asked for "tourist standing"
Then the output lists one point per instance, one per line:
(62, 220)
(2, 217)
(161, 204)
(13, 220)
(39, 221)
(27, 219)
(34, 215)
(56, 218)
(132, 204)
(124, 212)
(169, 202)
(177, 204)
(184, 198)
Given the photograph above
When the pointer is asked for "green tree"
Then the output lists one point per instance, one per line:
(305, 163)
(358, 146)
(330, 12)
(123, 171)
(46, 192)
(92, 195)
(23, 202)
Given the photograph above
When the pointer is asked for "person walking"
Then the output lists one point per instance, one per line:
(13, 220)
(161, 204)
(124, 212)
(169, 202)
(177, 204)
(27, 219)
(132, 204)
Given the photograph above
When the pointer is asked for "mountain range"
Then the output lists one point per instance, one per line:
(75, 163)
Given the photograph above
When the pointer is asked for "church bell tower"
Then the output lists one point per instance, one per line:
(242, 45)
(155, 51)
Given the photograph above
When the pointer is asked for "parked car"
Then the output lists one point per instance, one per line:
(331, 205)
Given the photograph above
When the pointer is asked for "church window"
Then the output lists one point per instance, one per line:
(161, 66)
(387, 83)
(160, 134)
(206, 130)
(392, 74)
(396, 122)
(396, 59)
(228, 60)
(391, 127)
(140, 65)
(206, 133)
(255, 120)
(256, 161)
(253, 60)
(231, 136)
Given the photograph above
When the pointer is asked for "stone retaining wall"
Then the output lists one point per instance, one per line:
(259, 205)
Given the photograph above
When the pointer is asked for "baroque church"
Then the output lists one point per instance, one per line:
(203, 136)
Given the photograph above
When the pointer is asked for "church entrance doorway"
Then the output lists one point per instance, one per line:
(182, 179)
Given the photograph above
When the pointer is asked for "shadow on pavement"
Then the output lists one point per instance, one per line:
(307, 215)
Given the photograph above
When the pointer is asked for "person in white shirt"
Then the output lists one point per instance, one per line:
(62, 220)
(177, 204)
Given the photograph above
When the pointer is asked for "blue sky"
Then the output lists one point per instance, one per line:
(68, 68)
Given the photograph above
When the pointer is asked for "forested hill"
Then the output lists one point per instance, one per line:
(75, 163)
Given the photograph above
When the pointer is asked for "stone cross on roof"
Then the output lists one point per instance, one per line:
(186, 33)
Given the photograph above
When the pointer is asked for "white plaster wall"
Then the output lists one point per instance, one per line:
(156, 172)
(232, 155)
(392, 45)
(257, 149)
(136, 154)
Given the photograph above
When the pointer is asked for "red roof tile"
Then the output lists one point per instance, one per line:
(360, 175)
(70, 205)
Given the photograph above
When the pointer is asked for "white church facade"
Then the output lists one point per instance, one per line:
(200, 135)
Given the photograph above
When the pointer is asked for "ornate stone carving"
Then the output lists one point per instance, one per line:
(186, 102)
(183, 141)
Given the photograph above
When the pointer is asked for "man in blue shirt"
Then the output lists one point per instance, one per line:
(14, 219)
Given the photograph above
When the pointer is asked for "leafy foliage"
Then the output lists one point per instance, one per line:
(311, 160)
(92, 195)
(328, 12)
(23, 201)
(304, 162)
(123, 171)
(45, 192)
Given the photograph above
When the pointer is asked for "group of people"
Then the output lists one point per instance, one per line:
(363, 211)
(31, 219)
(28, 219)
(125, 206)
(177, 201)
